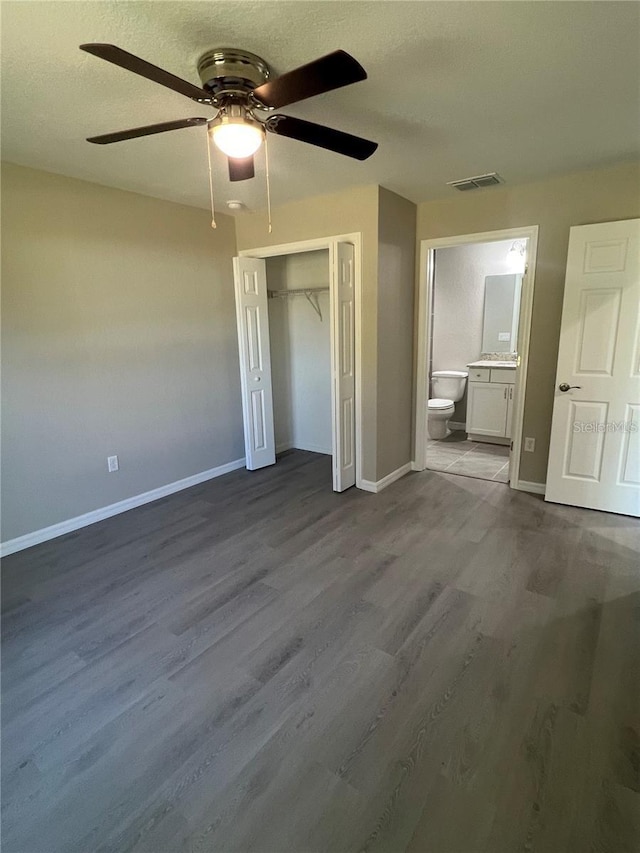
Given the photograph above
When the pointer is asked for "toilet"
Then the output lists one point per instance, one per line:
(448, 387)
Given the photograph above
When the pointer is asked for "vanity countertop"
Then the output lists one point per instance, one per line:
(510, 365)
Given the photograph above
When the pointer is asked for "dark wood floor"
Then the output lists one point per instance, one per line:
(260, 664)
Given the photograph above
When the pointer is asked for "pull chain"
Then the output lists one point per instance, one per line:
(266, 165)
(213, 215)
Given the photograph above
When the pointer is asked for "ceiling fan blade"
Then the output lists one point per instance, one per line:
(120, 57)
(241, 169)
(323, 137)
(330, 72)
(134, 132)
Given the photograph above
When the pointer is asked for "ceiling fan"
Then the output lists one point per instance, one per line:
(237, 84)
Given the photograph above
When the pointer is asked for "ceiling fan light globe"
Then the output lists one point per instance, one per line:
(237, 139)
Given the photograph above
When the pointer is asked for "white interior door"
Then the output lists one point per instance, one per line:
(252, 315)
(594, 456)
(342, 263)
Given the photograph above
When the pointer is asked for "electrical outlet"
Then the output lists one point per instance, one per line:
(530, 445)
(112, 464)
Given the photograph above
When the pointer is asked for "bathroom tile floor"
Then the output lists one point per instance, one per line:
(457, 455)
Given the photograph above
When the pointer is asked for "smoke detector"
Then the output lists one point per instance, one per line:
(236, 205)
(491, 179)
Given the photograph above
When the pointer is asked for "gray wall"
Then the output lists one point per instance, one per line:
(396, 295)
(118, 337)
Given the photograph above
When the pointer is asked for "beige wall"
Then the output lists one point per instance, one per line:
(118, 337)
(555, 205)
(351, 211)
(396, 295)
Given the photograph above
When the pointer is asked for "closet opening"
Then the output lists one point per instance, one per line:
(298, 291)
(298, 315)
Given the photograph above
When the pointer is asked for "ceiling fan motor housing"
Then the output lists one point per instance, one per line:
(230, 71)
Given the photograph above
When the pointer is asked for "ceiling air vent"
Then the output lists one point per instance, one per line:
(476, 183)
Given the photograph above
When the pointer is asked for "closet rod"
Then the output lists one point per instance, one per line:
(292, 291)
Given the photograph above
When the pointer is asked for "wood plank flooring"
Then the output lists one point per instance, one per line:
(259, 664)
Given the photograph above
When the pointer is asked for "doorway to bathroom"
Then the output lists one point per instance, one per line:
(475, 308)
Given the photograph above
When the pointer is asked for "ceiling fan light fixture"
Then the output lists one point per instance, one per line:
(237, 137)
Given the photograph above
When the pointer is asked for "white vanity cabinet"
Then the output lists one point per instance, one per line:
(490, 402)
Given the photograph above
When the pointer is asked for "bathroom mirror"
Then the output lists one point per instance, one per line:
(501, 311)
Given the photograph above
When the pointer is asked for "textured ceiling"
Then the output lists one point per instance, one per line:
(527, 89)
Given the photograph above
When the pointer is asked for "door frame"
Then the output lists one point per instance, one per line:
(326, 243)
(423, 346)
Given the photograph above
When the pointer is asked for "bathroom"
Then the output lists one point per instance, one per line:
(473, 358)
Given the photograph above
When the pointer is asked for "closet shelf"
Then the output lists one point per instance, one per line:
(309, 292)
(274, 294)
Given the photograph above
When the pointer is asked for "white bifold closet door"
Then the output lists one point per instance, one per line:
(252, 316)
(255, 362)
(343, 394)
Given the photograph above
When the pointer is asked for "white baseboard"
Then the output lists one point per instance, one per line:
(55, 530)
(312, 448)
(534, 488)
(457, 427)
(379, 485)
(285, 445)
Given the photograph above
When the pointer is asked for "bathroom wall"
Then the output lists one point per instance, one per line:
(300, 353)
(459, 300)
(458, 304)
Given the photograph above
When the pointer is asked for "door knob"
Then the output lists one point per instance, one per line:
(564, 386)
